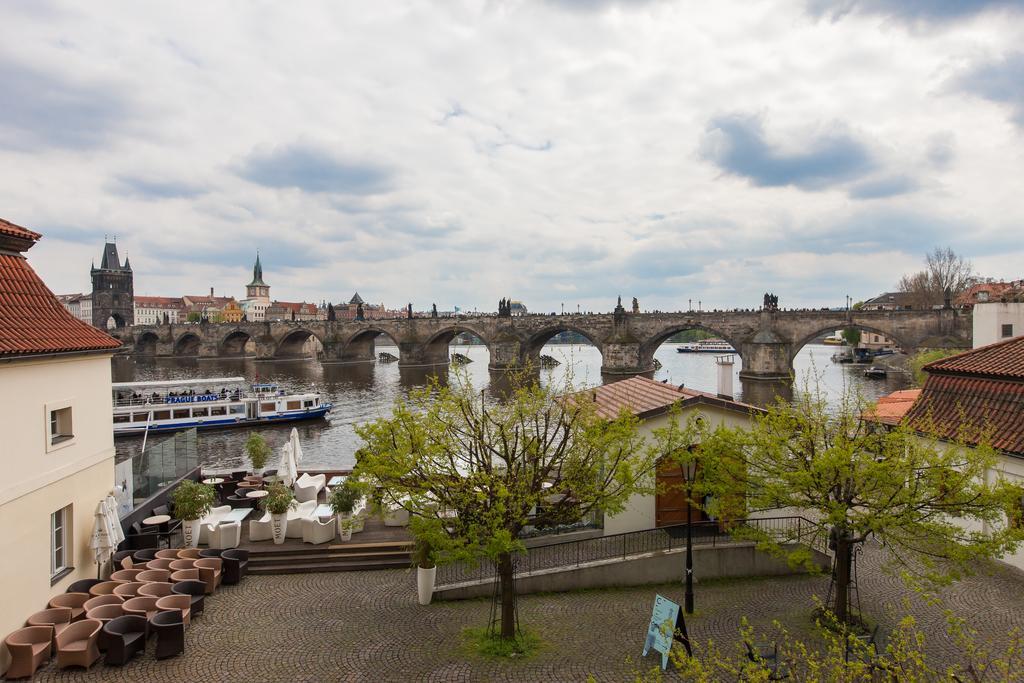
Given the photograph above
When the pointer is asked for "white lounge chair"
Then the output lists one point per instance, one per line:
(316, 531)
(260, 529)
(308, 488)
(226, 535)
(212, 518)
(302, 511)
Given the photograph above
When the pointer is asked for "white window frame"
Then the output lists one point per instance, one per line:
(61, 558)
(58, 441)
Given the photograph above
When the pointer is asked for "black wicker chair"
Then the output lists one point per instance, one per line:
(236, 565)
(83, 585)
(170, 633)
(239, 476)
(144, 555)
(211, 552)
(125, 637)
(237, 501)
(120, 555)
(195, 589)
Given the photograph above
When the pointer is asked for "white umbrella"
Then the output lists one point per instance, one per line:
(293, 439)
(115, 520)
(286, 470)
(101, 542)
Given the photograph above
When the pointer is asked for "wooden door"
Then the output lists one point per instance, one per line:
(670, 499)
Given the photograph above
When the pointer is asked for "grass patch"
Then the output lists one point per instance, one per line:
(477, 641)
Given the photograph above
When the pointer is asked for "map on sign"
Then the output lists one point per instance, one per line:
(661, 630)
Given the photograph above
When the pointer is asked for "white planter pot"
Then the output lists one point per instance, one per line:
(345, 524)
(190, 529)
(278, 527)
(425, 584)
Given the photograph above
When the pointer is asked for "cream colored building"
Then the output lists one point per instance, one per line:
(58, 450)
(995, 322)
(652, 401)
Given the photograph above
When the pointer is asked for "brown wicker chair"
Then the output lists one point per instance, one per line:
(167, 554)
(142, 606)
(182, 603)
(152, 575)
(126, 575)
(30, 648)
(100, 600)
(156, 589)
(160, 563)
(103, 614)
(77, 645)
(210, 572)
(105, 588)
(188, 553)
(128, 590)
(57, 618)
(182, 564)
(76, 601)
(185, 575)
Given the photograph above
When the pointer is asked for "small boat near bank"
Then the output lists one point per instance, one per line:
(706, 346)
(876, 372)
(163, 406)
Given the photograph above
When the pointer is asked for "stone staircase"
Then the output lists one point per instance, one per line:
(293, 559)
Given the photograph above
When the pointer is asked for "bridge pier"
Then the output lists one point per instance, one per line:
(358, 351)
(766, 359)
(506, 354)
(416, 354)
(623, 358)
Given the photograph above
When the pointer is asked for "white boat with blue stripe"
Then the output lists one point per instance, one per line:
(163, 406)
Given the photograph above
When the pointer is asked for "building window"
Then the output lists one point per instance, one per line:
(1007, 330)
(60, 542)
(59, 428)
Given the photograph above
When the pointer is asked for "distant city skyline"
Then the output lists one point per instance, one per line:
(555, 152)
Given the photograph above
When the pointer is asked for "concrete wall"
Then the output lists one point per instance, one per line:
(733, 560)
(990, 318)
(639, 513)
(40, 479)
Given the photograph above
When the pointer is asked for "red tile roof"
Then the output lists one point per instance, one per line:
(32, 321)
(8, 228)
(891, 409)
(645, 397)
(972, 408)
(1002, 359)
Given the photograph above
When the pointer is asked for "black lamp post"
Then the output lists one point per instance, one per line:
(689, 471)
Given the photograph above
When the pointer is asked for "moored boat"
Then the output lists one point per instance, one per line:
(876, 372)
(706, 346)
(162, 406)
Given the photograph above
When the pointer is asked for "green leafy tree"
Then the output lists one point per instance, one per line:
(926, 500)
(923, 358)
(194, 317)
(474, 475)
(258, 451)
(851, 335)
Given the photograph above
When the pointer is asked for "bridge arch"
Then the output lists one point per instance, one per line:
(145, 344)
(651, 346)
(902, 341)
(292, 343)
(436, 346)
(362, 346)
(233, 343)
(187, 344)
(533, 345)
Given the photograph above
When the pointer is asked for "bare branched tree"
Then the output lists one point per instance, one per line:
(944, 270)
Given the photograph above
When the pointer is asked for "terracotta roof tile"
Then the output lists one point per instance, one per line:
(32, 321)
(8, 228)
(957, 407)
(891, 409)
(642, 397)
(1002, 359)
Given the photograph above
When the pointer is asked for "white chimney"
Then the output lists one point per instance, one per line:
(725, 364)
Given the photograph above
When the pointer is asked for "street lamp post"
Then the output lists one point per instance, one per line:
(563, 308)
(690, 471)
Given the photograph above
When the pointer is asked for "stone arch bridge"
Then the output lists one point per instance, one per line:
(766, 340)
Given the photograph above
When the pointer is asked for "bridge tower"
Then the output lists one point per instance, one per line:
(113, 291)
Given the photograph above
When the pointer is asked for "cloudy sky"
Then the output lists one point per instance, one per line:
(560, 151)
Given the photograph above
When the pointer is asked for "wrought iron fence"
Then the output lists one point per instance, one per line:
(577, 552)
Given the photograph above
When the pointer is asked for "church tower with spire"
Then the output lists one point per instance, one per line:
(257, 294)
(113, 291)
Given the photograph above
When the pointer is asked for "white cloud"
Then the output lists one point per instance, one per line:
(473, 150)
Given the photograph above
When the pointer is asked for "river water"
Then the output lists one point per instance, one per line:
(363, 392)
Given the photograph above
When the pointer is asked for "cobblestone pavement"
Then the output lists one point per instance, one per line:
(367, 626)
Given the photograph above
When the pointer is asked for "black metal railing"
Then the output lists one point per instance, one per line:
(574, 553)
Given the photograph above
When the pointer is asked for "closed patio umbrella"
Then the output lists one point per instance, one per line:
(293, 439)
(115, 521)
(101, 542)
(286, 470)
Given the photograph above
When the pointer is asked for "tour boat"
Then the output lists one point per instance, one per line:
(141, 407)
(706, 346)
(835, 339)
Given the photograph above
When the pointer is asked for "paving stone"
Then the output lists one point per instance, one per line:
(367, 626)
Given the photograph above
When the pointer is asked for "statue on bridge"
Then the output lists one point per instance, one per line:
(619, 310)
(636, 305)
(167, 319)
(359, 311)
(408, 310)
(771, 302)
(433, 310)
(331, 315)
(505, 308)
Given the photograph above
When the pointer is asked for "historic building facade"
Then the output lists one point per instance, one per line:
(257, 295)
(112, 291)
